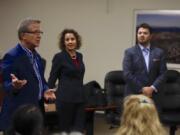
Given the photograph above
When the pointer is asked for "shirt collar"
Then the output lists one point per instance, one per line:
(142, 47)
(28, 52)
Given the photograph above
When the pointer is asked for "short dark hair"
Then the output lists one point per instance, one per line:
(62, 38)
(27, 120)
(146, 26)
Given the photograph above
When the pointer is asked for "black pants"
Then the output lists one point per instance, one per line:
(71, 116)
(41, 106)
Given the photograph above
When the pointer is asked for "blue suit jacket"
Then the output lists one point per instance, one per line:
(17, 62)
(70, 78)
(135, 71)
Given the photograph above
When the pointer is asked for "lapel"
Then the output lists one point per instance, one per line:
(68, 58)
(141, 57)
(25, 61)
(39, 62)
(151, 55)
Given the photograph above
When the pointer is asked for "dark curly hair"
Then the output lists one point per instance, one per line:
(62, 38)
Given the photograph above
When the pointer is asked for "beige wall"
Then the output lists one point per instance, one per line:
(106, 27)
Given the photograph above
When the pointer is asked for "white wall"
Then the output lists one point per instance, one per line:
(106, 27)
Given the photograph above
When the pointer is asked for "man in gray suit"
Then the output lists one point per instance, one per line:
(144, 66)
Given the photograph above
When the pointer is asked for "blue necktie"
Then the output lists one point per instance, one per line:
(146, 57)
(37, 72)
(146, 51)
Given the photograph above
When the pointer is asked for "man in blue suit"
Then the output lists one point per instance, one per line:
(144, 66)
(23, 77)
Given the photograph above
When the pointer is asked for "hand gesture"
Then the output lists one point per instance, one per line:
(50, 94)
(17, 84)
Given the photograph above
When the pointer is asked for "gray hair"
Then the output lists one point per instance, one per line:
(23, 25)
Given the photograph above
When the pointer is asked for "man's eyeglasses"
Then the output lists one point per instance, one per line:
(34, 32)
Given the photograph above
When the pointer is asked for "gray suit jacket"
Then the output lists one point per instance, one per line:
(135, 71)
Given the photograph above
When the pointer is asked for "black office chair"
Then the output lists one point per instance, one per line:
(114, 85)
(169, 101)
(95, 95)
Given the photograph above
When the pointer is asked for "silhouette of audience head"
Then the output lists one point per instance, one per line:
(27, 120)
(140, 117)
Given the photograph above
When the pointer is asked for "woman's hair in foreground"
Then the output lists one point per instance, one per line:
(140, 117)
(27, 120)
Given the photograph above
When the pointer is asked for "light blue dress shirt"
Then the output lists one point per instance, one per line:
(146, 53)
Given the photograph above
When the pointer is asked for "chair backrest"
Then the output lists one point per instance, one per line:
(95, 95)
(169, 96)
(114, 84)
